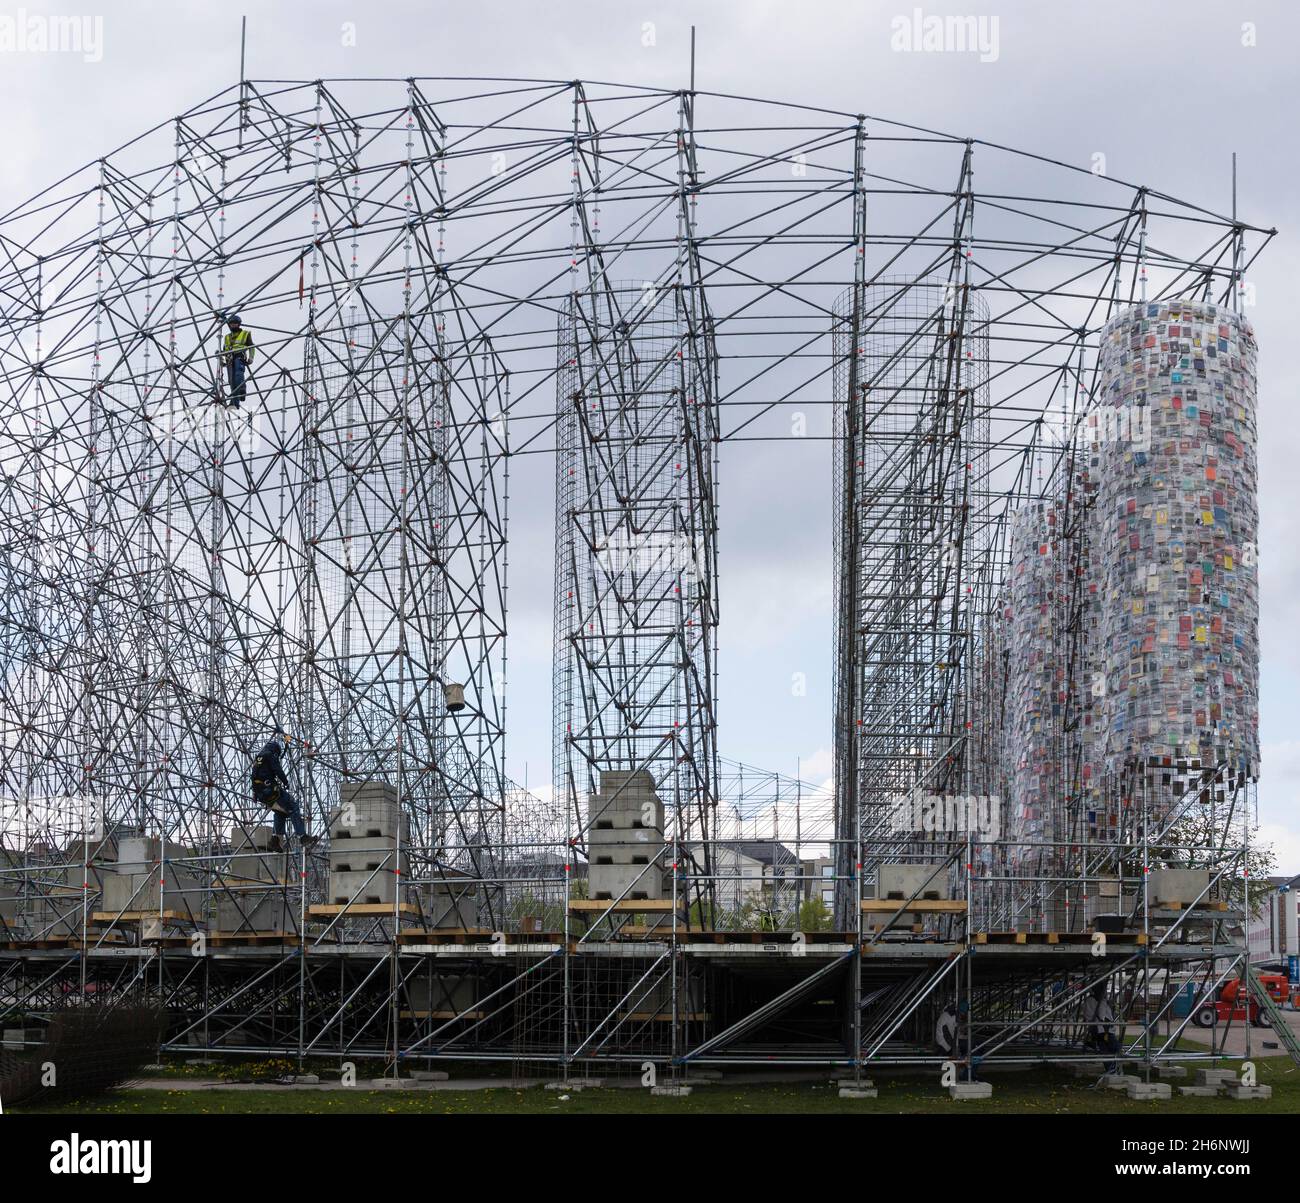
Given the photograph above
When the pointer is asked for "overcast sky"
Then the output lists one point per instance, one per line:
(1165, 90)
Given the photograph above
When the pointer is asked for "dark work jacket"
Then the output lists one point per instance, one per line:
(267, 772)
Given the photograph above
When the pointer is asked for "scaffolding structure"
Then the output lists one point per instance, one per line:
(636, 562)
(444, 280)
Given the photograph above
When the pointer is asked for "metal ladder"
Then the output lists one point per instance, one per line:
(1273, 1013)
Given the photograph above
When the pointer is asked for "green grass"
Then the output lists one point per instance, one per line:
(1039, 1092)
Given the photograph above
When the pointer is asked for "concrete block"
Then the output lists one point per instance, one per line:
(858, 1092)
(363, 888)
(627, 783)
(1118, 1081)
(1215, 1077)
(367, 793)
(638, 809)
(615, 881)
(252, 839)
(252, 912)
(626, 853)
(1103, 899)
(1170, 1072)
(613, 828)
(124, 892)
(850, 1084)
(1198, 1092)
(970, 1090)
(896, 883)
(625, 798)
(182, 890)
(452, 905)
(566, 1087)
(253, 866)
(902, 881)
(368, 807)
(358, 848)
(251, 859)
(1176, 885)
(1240, 1092)
(357, 860)
(306, 1079)
(670, 1092)
(1148, 1090)
(380, 828)
(135, 854)
(392, 1083)
(139, 853)
(428, 1075)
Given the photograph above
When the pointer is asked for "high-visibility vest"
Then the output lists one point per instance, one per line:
(239, 341)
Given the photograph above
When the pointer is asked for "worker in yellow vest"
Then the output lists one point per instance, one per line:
(237, 355)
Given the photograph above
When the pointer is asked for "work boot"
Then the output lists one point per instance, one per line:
(276, 844)
(309, 841)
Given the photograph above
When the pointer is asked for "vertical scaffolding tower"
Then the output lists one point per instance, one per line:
(636, 568)
(911, 377)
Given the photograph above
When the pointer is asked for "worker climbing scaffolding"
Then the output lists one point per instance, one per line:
(271, 789)
(237, 353)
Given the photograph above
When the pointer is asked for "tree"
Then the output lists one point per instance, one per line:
(814, 915)
(1219, 841)
(755, 912)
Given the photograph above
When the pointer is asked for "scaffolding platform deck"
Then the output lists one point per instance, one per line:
(361, 910)
(645, 906)
(111, 918)
(453, 935)
(1056, 937)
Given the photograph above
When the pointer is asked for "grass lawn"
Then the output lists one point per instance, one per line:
(1039, 1092)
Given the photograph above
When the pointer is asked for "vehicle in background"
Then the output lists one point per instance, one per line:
(1230, 1001)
